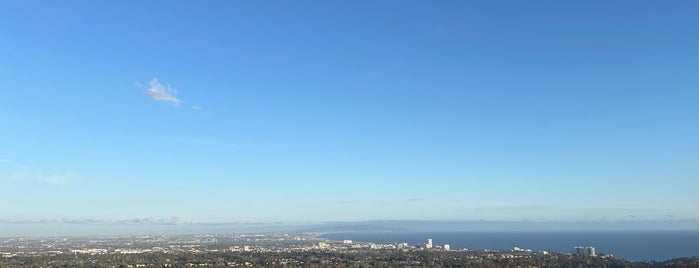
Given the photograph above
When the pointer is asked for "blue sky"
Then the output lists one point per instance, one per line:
(296, 111)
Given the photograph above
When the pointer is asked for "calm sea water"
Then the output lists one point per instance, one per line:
(636, 245)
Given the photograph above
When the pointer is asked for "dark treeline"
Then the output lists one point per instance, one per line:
(332, 259)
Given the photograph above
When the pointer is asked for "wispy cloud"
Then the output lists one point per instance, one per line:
(512, 208)
(184, 184)
(40, 176)
(160, 92)
(204, 142)
(22, 173)
(151, 221)
(134, 221)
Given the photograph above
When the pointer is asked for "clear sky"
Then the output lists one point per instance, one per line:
(295, 111)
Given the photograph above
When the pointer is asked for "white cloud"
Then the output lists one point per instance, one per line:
(158, 92)
(183, 184)
(40, 176)
(134, 221)
(13, 164)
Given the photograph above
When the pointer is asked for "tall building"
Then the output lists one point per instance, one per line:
(591, 251)
(429, 243)
(447, 247)
(585, 251)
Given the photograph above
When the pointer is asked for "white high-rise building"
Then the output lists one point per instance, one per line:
(429, 243)
(591, 251)
(447, 247)
(585, 251)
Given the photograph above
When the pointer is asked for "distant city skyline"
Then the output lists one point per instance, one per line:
(330, 111)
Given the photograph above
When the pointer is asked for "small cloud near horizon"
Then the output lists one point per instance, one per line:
(40, 176)
(184, 184)
(160, 92)
(22, 173)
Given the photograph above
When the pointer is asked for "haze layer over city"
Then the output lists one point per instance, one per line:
(184, 117)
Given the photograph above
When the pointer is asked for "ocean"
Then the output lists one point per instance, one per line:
(630, 245)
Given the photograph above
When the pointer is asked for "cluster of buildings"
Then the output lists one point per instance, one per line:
(585, 251)
(240, 249)
(429, 245)
(258, 243)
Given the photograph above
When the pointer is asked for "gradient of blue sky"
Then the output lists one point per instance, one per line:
(350, 110)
